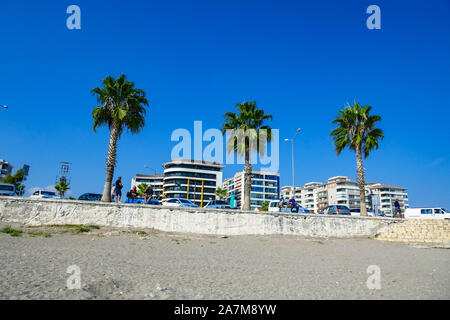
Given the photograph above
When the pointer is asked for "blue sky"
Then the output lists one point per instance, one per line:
(301, 61)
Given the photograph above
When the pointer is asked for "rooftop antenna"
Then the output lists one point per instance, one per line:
(64, 172)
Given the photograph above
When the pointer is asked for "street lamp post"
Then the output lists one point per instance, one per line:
(293, 172)
(147, 167)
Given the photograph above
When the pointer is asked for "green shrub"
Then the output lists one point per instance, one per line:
(12, 232)
(35, 233)
(16, 233)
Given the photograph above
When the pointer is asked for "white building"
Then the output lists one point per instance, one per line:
(265, 187)
(192, 179)
(5, 168)
(154, 180)
(387, 195)
(342, 190)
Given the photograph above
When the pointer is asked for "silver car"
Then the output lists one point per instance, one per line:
(337, 209)
(217, 204)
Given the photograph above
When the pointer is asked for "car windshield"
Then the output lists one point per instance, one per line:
(184, 201)
(445, 210)
(7, 188)
(342, 207)
(48, 193)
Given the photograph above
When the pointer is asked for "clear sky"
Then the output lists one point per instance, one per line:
(301, 61)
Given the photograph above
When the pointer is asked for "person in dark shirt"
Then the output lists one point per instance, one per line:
(148, 194)
(292, 201)
(397, 208)
(118, 188)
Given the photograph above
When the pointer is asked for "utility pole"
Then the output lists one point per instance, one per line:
(293, 172)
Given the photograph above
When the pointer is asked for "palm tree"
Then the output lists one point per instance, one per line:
(141, 188)
(123, 107)
(221, 193)
(62, 186)
(356, 130)
(17, 180)
(248, 121)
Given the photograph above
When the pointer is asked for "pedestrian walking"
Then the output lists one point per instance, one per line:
(397, 209)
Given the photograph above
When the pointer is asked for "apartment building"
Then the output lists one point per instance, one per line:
(286, 191)
(344, 191)
(265, 187)
(309, 198)
(341, 190)
(154, 180)
(386, 196)
(192, 179)
(312, 196)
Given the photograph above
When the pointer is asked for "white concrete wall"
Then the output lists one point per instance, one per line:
(202, 221)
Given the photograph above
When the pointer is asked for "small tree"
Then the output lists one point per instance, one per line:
(17, 180)
(62, 186)
(221, 193)
(141, 188)
(265, 206)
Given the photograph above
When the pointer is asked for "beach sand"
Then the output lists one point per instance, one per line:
(123, 264)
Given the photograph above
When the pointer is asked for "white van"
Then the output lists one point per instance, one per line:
(7, 190)
(427, 213)
(43, 194)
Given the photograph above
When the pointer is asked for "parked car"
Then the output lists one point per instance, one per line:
(337, 209)
(43, 194)
(273, 207)
(175, 202)
(7, 190)
(427, 213)
(217, 204)
(90, 197)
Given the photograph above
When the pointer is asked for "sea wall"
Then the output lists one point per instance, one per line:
(36, 212)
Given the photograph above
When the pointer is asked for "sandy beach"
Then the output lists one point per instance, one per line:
(146, 264)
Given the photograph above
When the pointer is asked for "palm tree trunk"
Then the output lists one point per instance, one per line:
(361, 180)
(248, 177)
(110, 163)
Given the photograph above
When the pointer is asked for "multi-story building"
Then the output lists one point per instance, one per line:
(341, 190)
(192, 179)
(344, 191)
(287, 191)
(321, 197)
(387, 195)
(5, 168)
(310, 197)
(154, 180)
(265, 187)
